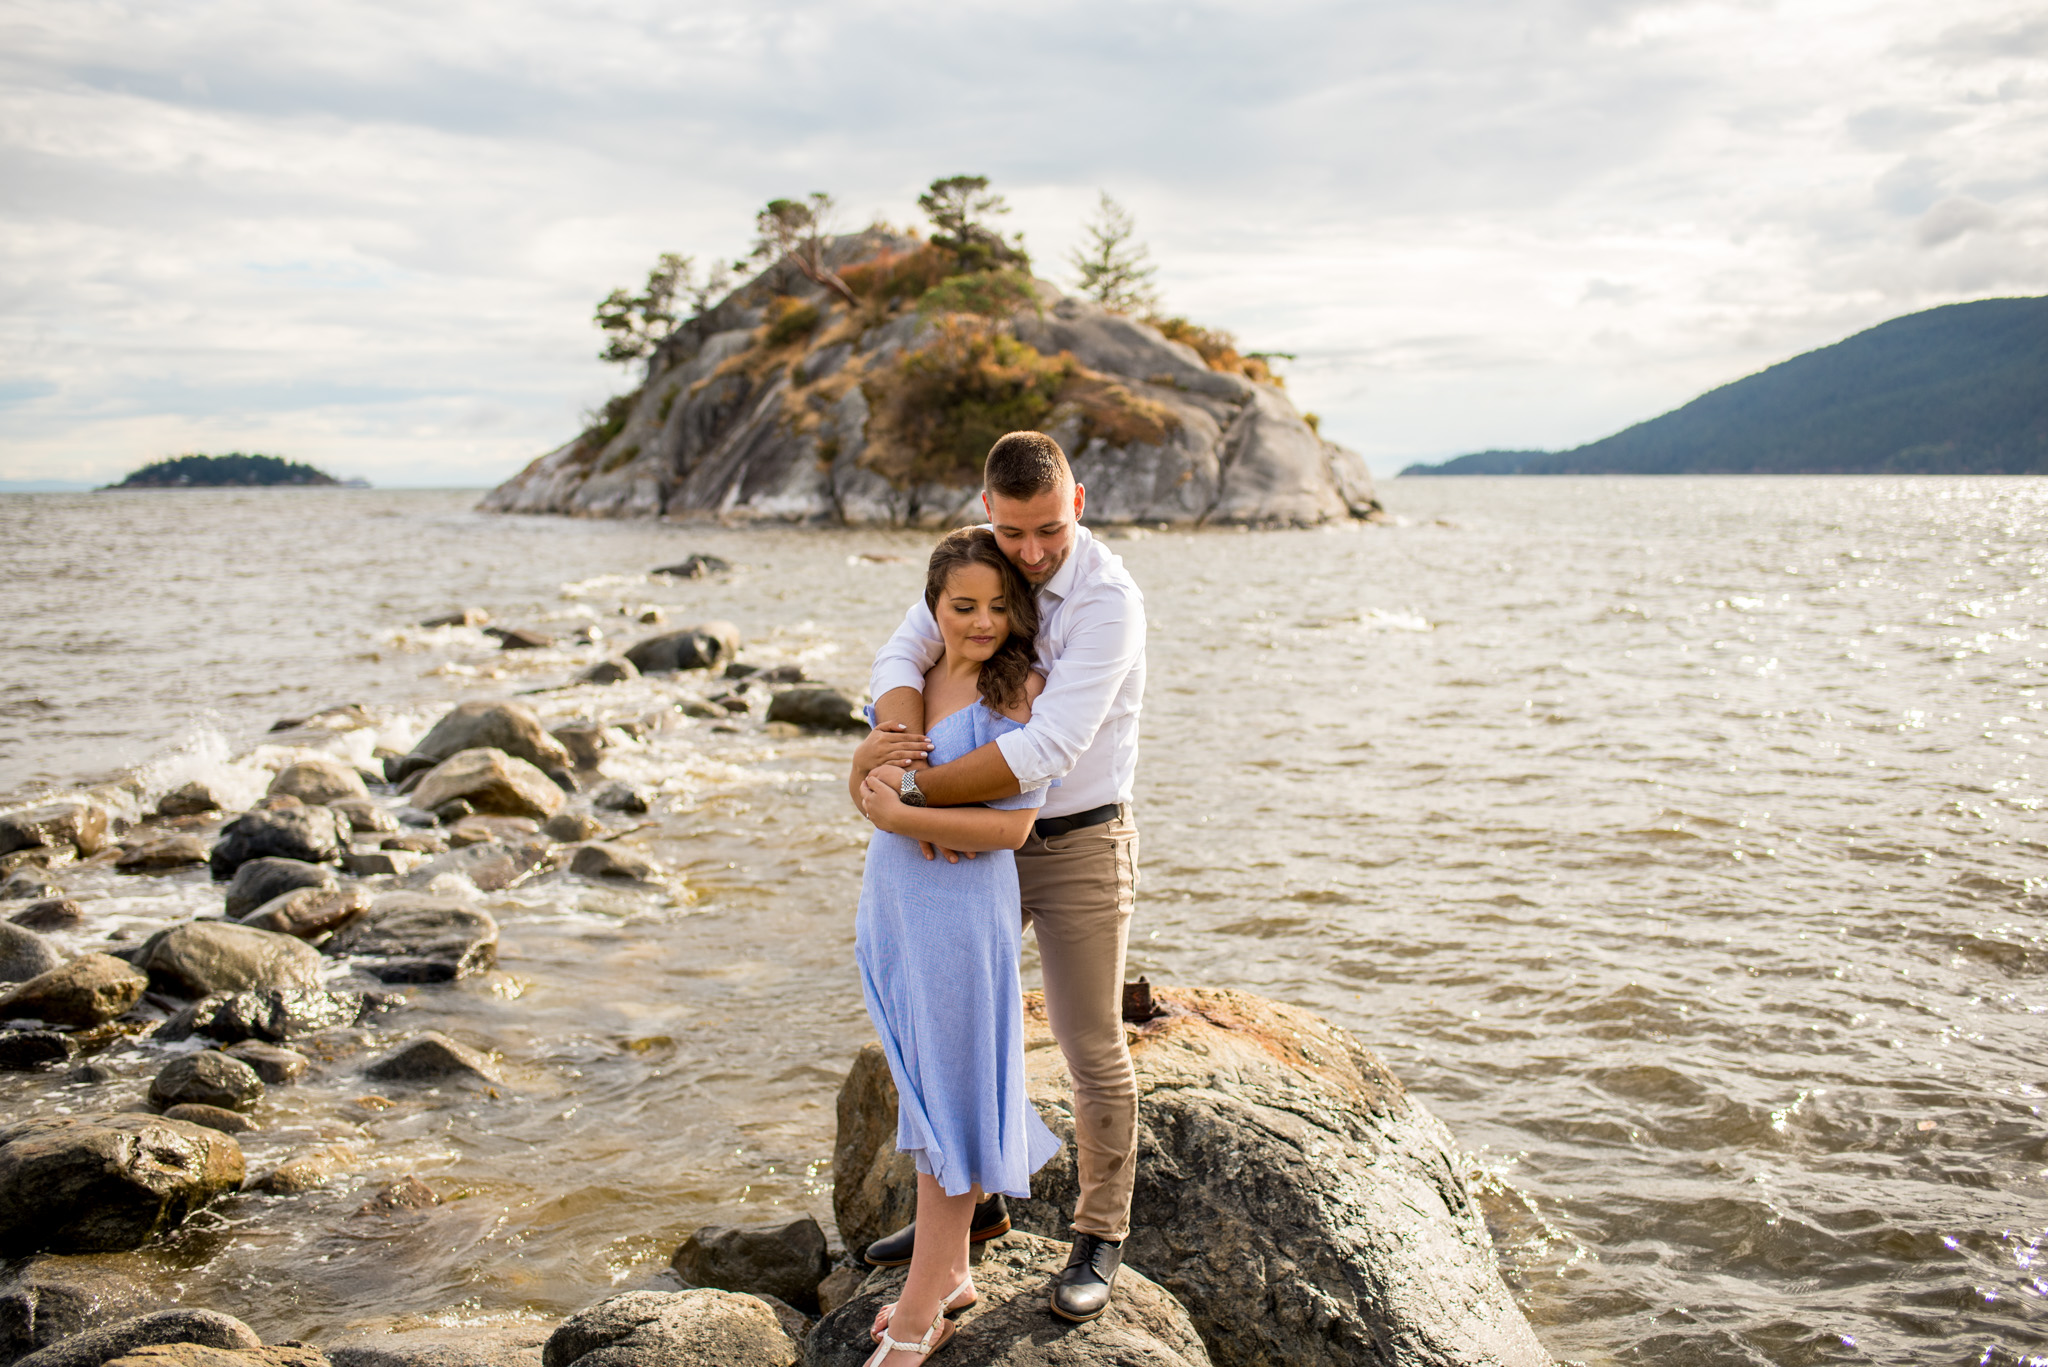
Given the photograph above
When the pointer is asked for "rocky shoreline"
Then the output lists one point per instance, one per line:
(1297, 1206)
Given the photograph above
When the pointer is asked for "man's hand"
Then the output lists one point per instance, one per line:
(892, 743)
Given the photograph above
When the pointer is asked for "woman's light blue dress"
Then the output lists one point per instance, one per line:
(937, 945)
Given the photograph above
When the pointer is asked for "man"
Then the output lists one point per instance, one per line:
(1078, 871)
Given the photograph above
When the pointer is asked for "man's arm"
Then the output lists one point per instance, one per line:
(905, 658)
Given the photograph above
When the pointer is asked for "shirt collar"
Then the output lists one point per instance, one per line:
(1062, 582)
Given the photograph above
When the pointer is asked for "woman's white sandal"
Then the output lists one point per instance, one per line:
(888, 1314)
(933, 1340)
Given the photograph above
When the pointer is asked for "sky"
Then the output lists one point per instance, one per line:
(370, 236)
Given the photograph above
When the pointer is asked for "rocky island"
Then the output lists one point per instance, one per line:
(232, 471)
(860, 378)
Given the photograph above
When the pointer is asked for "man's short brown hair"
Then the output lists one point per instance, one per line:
(1025, 465)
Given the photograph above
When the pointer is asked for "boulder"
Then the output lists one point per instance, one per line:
(267, 1014)
(313, 835)
(475, 830)
(408, 1193)
(260, 880)
(519, 638)
(24, 954)
(417, 938)
(58, 913)
(1009, 1324)
(508, 726)
(50, 1298)
(621, 670)
(630, 798)
(111, 1342)
(201, 957)
(416, 842)
(785, 1261)
(468, 617)
(319, 780)
(612, 861)
(384, 863)
(29, 1051)
(584, 742)
(824, 709)
(695, 566)
(841, 1284)
(364, 816)
(276, 1065)
(207, 1078)
(75, 1185)
(76, 827)
(702, 1328)
(310, 913)
(170, 852)
(1290, 1193)
(212, 1117)
(571, 827)
(492, 782)
(196, 798)
(27, 885)
(90, 990)
(704, 646)
(441, 1345)
(199, 1355)
(490, 866)
(432, 1057)
(307, 1171)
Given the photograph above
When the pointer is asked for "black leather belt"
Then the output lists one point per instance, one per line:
(1052, 827)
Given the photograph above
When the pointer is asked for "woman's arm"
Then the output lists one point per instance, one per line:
(952, 828)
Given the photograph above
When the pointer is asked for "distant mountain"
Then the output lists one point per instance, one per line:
(234, 470)
(1957, 390)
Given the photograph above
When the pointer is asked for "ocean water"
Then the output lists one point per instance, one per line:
(1679, 842)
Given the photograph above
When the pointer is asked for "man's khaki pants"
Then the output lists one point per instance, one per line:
(1078, 892)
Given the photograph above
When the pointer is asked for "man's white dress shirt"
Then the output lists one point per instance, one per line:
(1091, 642)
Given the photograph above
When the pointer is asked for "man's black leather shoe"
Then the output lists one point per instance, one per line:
(1081, 1291)
(991, 1218)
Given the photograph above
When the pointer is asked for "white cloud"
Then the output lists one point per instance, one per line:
(370, 235)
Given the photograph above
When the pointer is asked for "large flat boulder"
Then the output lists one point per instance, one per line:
(672, 1329)
(74, 1185)
(421, 938)
(491, 782)
(708, 645)
(1290, 1193)
(109, 1342)
(313, 835)
(90, 990)
(1011, 1326)
(202, 957)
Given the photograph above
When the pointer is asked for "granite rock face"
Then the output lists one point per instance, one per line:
(672, 1329)
(1290, 1193)
(1011, 1326)
(73, 1185)
(726, 425)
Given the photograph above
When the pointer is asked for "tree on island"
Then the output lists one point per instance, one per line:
(959, 208)
(634, 324)
(795, 230)
(1113, 269)
(234, 470)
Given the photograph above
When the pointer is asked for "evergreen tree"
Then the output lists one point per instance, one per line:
(959, 208)
(794, 230)
(1113, 266)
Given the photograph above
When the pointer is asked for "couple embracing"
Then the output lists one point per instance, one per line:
(998, 778)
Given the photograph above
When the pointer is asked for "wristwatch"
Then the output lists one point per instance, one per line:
(908, 790)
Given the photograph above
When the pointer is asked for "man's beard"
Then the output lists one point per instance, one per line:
(1045, 571)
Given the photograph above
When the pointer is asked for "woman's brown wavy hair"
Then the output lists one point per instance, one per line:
(1003, 674)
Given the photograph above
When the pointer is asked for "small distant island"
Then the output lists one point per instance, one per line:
(1956, 390)
(232, 471)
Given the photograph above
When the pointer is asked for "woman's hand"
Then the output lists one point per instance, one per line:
(881, 796)
(891, 743)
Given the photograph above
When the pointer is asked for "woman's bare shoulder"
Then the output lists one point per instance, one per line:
(1034, 684)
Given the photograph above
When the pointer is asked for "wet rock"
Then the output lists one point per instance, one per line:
(29, 1051)
(79, 827)
(91, 1073)
(201, 957)
(468, 617)
(839, 1287)
(705, 646)
(196, 798)
(491, 867)
(1009, 1324)
(24, 954)
(419, 938)
(1290, 1193)
(75, 1185)
(408, 1193)
(475, 830)
(785, 1261)
(620, 670)
(307, 1171)
(508, 726)
(212, 1117)
(365, 817)
(433, 1057)
(110, 1342)
(519, 638)
(492, 782)
(50, 1298)
(571, 827)
(313, 835)
(384, 863)
(269, 1014)
(585, 743)
(277, 1066)
(347, 717)
(58, 913)
(672, 1329)
(171, 852)
(260, 880)
(198, 1355)
(611, 861)
(90, 990)
(27, 885)
(824, 709)
(207, 1078)
(416, 842)
(311, 913)
(454, 1345)
(695, 567)
(631, 798)
(319, 780)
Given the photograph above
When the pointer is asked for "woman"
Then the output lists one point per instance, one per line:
(937, 942)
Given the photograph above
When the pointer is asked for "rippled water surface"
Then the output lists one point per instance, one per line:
(1679, 842)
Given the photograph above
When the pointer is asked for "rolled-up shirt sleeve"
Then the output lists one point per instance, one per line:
(903, 662)
(1108, 636)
